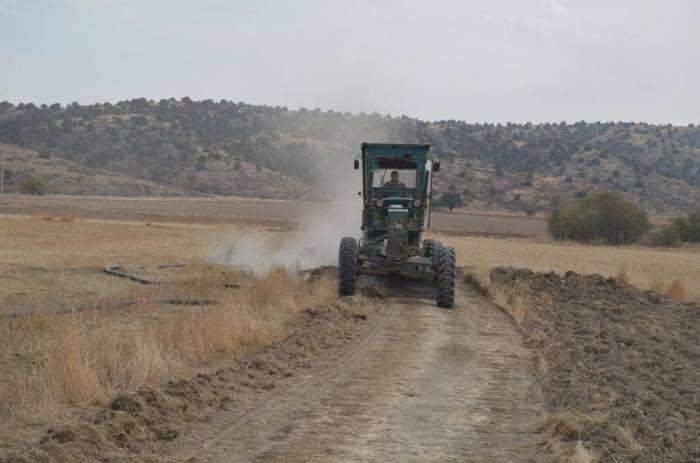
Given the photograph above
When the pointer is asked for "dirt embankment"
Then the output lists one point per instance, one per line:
(137, 426)
(619, 366)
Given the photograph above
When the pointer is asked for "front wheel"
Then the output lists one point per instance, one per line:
(446, 273)
(347, 267)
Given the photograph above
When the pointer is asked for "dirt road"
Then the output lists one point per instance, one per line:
(423, 384)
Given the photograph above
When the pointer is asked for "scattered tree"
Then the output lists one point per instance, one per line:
(33, 185)
(450, 200)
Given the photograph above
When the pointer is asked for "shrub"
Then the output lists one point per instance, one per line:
(665, 237)
(689, 227)
(601, 216)
(33, 186)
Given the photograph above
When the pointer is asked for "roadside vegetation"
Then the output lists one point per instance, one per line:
(89, 357)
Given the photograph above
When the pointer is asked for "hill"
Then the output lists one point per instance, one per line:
(208, 147)
(68, 177)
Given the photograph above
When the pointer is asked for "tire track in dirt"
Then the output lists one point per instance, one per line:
(424, 384)
(218, 438)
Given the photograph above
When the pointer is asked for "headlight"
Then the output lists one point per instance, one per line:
(380, 202)
(416, 203)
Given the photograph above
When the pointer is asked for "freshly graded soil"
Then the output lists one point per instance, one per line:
(620, 367)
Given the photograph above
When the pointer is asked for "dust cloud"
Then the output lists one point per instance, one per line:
(320, 227)
(314, 242)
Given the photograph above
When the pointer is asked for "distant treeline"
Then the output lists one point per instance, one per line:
(167, 140)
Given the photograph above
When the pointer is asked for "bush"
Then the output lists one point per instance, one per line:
(602, 216)
(689, 227)
(665, 237)
(33, 186)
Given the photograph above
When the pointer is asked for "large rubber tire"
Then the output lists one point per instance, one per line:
(446, 273)
(347, 267)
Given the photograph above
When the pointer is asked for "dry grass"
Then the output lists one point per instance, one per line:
(54, 264)
(676, 289)
(625, 438)
(567, 431)
(582, 455)
(89, 357)
(571, 424)
(622, 274)
(49, 362)
(67, 218)
(640, 264)
(514, 300)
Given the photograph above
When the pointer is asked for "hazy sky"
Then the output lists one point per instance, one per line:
(507, 60)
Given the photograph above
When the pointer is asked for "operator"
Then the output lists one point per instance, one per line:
(395, 182)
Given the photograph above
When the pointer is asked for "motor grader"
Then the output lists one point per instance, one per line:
(396, 195)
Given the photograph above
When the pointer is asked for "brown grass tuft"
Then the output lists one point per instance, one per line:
(69, 373)
(677, 289)
(67, 218)
(479, 273)
(582, 455)
(571, 424)
(625, 437)
(623, 274)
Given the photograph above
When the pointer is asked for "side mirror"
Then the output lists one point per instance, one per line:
(356, 164)
(436, 166)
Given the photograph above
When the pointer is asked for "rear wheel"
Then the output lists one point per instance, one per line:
(446, 273)
(347, 267)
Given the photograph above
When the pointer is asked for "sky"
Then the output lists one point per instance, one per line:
(478, 61)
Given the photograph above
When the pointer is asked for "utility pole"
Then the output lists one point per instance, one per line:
(2, 181)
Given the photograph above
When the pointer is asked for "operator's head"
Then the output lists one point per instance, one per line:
(394, 175)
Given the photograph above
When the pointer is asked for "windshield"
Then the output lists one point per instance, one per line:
(394, 178)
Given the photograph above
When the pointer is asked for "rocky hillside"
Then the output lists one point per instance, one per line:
(207, 147)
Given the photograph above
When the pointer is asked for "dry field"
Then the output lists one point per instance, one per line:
(126, 336)
(247, 212)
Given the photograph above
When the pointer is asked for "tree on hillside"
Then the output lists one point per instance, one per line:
(33, 185)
